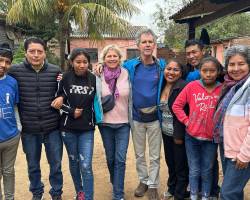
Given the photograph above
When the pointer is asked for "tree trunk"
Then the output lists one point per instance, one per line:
(63, 34)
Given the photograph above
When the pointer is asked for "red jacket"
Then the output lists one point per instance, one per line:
(202, 104)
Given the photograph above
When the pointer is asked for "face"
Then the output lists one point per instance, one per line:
(146, 45)
(4, 65)
(237, 67)
(80, 64)
(172, 72)
(209, 73)
(194, 55)
(112, 59)
(35, 54)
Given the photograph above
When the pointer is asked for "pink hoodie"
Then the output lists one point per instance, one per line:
(202, 104)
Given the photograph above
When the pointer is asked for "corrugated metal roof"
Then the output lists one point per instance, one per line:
(129, 35)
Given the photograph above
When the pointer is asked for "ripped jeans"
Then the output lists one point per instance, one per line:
(79, 146)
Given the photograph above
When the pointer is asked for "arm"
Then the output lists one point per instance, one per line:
(244, 154)
(18, 121)
(60, 95)
(179, 104)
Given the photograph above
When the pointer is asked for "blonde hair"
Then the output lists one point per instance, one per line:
(110, 47)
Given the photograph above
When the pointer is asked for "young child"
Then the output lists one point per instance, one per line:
(9, 133)
(201, 97)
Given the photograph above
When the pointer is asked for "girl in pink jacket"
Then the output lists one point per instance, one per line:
(201, 97)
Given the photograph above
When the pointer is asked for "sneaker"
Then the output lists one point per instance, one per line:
(37, 197)
(141, 190)
(58, 197)
(166, 195)
(80, 196)
(153, 194)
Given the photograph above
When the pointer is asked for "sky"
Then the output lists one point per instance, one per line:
(145, 17)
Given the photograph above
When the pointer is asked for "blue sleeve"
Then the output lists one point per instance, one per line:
(192, 76)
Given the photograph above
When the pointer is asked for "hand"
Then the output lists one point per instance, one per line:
(178, 141)
(59, 77)
(98, 69)
(78, 113)
(241, 165)
(57, 103)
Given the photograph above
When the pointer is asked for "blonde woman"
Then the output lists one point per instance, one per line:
(115, 126)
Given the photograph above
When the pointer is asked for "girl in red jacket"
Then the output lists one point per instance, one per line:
(201, 97)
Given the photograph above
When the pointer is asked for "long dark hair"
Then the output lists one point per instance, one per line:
(76, 52)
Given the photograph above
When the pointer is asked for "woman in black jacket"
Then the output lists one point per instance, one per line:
(173, 132)
(78, 88)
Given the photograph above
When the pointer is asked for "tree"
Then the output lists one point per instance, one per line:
(176, 34)
(93, 16)
(173, 33)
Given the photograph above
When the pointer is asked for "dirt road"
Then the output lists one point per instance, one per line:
(101, 176)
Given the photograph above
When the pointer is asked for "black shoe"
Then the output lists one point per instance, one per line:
(58, 197)
(37, 197)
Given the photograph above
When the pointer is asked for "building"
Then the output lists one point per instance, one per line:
(219, 46)
(126, 43)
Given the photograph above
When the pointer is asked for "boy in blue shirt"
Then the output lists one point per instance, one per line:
(9, 133)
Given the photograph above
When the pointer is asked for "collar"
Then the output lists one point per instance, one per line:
(4, 76)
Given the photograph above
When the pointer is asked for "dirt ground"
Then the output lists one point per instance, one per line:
(101, 176)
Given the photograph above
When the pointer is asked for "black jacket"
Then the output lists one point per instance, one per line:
(36, 91)
(179, 128)
(78, 92)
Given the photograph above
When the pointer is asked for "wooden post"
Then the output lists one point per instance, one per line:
(191, 30)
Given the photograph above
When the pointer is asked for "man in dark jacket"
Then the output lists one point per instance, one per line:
(37, 81)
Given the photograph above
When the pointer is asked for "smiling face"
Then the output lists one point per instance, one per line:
(194, 55)
(238, 67)
(146, 45)
(4, 65)
(35, 54)
(172, 72)
(80, 64)
(112, 59)
(209, 73)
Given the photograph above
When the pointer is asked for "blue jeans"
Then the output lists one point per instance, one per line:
(115, 141)
(234, 181)
(32, 147)
(201, 155)
(79, 146)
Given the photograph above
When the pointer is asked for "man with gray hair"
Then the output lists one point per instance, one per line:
(146, 76)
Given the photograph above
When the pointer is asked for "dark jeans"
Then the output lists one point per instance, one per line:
(215, 188)
(115, 142)
(234, 181)
(32, 147)
(79, 147)
(201, 156)
(176, 159)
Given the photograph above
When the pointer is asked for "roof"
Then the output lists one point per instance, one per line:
(230, 39)
(132, 31)
(197, 9)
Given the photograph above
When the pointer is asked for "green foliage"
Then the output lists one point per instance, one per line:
(52, 58)
(19, 54)
(176, 34)
(54, 17)
(230, 26)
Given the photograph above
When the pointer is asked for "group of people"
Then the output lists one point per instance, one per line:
(193, 109)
